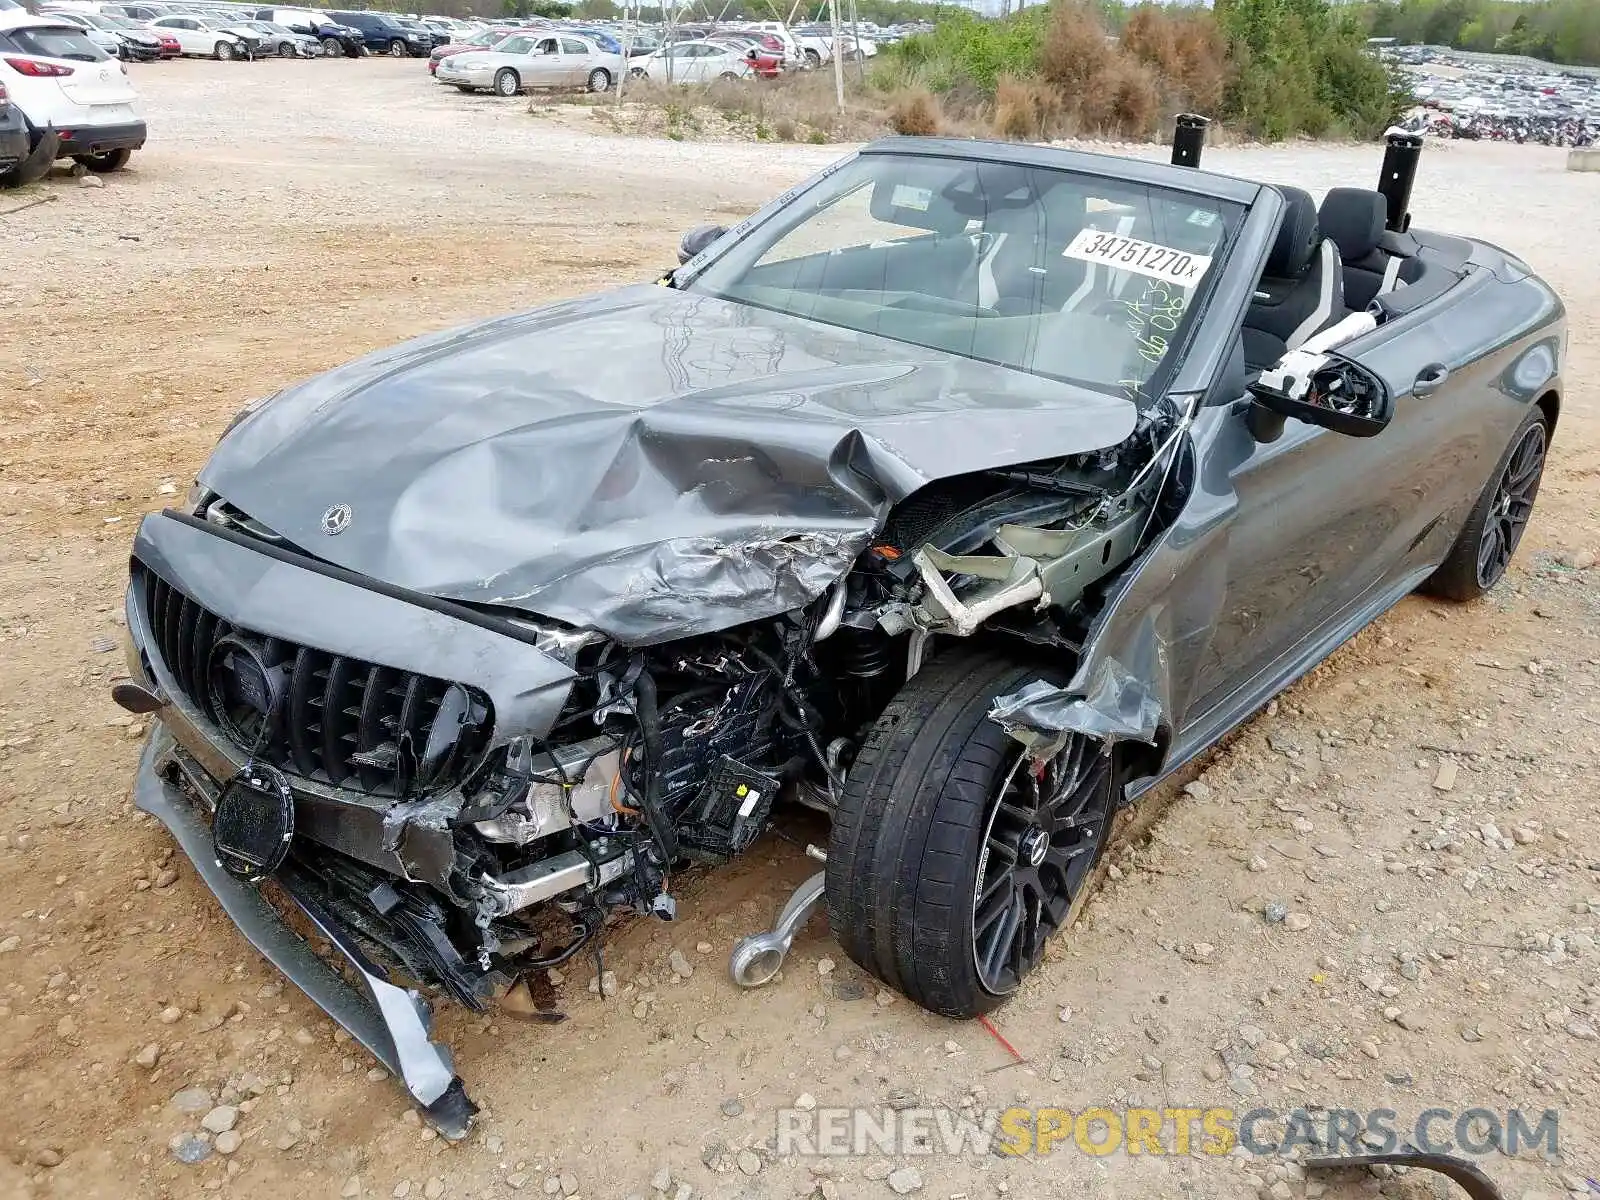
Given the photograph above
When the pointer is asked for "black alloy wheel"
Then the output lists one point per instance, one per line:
(1512, 505)
(1043, 832)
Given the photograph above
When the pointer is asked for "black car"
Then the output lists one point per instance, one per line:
(383, 34)
(962, 494)
(336, 39)
(13, 139)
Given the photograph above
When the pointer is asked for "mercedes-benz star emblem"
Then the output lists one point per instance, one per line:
(336, 520)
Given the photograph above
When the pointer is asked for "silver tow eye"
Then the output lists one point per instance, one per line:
(758, 957)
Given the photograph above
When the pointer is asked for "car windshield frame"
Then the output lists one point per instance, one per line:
(1191, 223)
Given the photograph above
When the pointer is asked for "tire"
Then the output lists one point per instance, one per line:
(286, 50)
(729, 75)
(1494, 528)
(397, 49)
(599, 80)
(637, 73)
(813, 59)
(106, 161)
(919, 825)
(223, 51)
(332, 47)
(507, 82)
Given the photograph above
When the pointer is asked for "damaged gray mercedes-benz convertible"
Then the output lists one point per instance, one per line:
(962, 493)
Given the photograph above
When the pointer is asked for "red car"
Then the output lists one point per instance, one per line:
(169, 44)
(763, 62)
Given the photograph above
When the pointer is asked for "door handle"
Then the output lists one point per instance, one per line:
(1430, 379)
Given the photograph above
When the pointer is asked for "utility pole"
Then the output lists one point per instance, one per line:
(838, 65)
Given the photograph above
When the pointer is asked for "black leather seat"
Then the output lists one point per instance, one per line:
(1302, 289)
(1355, 218)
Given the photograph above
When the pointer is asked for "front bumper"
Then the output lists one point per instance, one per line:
(481, 78)
(189, 760)
(97, 139)
(393, 1023)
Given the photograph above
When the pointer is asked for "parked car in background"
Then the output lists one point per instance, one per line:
(484, 39)
(139, 44)
(336, 38)
(58, 79)
(383, 34)
(698, 62)
(523, 61)
(207, 37)
(285, 42)
(764, 62)
(431, 37)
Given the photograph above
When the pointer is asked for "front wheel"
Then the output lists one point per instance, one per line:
(1494, 528)
(954, 856)
(397, 49)
(599, 80)
(813, 59)
(222, 51)
(286, 50)
(332, 47)
(106, 161)
(506, 82)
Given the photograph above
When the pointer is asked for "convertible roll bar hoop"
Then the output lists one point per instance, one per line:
(1189, 139)
(1400, 159)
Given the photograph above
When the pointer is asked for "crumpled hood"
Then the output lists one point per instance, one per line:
(648, 462)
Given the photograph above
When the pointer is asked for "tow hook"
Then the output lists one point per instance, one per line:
(758, 957)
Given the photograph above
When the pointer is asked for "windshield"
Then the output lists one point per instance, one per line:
(1086, 278)
(57, 41)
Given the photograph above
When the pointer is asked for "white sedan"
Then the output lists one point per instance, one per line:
(696, 62)
(205, 36)
(531, 60)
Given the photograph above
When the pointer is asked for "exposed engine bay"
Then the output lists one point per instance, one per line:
(679, 752)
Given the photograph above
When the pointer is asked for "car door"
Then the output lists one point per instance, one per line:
(1323, 523)
(578, 58)
(543, 59)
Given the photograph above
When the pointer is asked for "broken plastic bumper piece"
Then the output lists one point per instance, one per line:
(392, 1022)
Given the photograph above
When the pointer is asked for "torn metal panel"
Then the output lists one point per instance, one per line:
(1115, 707)
(650, 463)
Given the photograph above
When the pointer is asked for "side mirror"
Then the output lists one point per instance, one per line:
(696, 240)
(1335, 393)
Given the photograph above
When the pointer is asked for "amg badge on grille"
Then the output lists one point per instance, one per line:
(336, 520)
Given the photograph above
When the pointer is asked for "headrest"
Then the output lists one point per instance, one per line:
(1298, 236)
(1354, 218)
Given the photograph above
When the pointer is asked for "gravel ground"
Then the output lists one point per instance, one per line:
(1419, 810)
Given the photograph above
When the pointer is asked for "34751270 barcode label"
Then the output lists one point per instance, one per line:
(1143, 258)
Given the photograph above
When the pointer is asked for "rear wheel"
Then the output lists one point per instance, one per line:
(222, 51)
(397, 49)
(1494, 529)
(507, 82)
(106, 161)
(599, 80)
(953, 855)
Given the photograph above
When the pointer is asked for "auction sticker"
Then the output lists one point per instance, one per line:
(1142, 258)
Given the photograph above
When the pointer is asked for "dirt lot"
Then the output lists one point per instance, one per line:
(288, 216)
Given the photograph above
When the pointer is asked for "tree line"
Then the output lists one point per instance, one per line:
(1559, 31)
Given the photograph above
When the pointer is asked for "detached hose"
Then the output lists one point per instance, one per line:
(644, 693)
